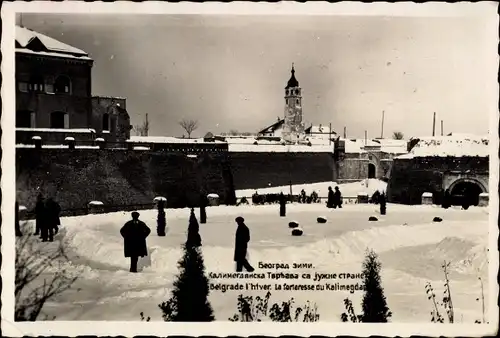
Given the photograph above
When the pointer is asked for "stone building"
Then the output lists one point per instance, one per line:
(358, 159)
(458, 164)
(54, 93)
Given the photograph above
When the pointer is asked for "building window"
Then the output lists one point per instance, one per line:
(297, 101)
(22, 86)
(59, 120)
(36, 83)
(105, 121)
(25, 119)
(62, 84)
(49, 85)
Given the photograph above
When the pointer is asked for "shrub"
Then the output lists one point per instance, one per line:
(189, 300)
(250, 310)
(372, 219)
(321, 220)
(293, 225)
(374, 304)
(297, 232)
(446, 303)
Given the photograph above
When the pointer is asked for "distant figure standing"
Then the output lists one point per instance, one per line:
(446, 199)
(39, 214)
(337, 198)
(330, 202)
(382, 200)
(282, 201)
(134, 233)
(203, 210)
(303, 197)
(241, 246)
(53, 221)
(17, 226)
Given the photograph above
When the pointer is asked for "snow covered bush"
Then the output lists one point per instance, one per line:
(40, 276)
(254, 309)
(374, 304)
(437, 219)
(372, 219)
(297, 232)
(293, 224)
(189, 300)
(321, 219)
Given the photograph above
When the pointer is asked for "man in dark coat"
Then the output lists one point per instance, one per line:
(39, 214)
(241, 246)
(134, 233)
(282, 201)
(337, 198)
(330, 202)
(52, 210)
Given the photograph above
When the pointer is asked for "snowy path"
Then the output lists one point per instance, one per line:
(411, 255)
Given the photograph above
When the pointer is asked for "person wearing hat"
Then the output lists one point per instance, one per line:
(134, 234)
(241, 246)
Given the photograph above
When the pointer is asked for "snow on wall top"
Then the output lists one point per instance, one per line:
(56, 130)
(457, 145)
(390, 146)
(24, 36)
(166, 139)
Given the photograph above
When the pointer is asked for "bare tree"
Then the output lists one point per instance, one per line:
(397, 135)
(41, 275)
(233, 132)
(143, 129)
(189, 126)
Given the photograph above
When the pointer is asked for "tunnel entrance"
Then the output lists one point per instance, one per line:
(465, 193)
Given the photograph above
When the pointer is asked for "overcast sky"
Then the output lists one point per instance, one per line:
(229, 72)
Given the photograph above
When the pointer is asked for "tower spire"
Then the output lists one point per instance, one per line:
(293, 81)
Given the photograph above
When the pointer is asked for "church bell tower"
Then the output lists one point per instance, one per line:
(293, 127)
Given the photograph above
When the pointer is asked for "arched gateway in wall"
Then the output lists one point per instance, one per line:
(465, 188)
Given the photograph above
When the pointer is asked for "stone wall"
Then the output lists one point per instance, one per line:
(120, 177)
(253, 170)
(410, 178)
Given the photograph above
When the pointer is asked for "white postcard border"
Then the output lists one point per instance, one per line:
(222, 328)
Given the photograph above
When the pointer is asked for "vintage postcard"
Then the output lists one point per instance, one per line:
(241, 165)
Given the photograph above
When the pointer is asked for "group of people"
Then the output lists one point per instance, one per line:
(334, 198)
(47, 218)
(135, 232)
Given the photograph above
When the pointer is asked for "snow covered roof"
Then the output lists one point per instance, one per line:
(279, 148)
(390, 146)
(26, 39)
(320, 129)
(457, 145)
(276, 125)
(167, 139)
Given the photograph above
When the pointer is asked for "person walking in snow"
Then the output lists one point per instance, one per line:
(134, 234)
(53, 221)
(39, 214)
(282, 201)
(330, 201)
(241, 245)
(337, 198)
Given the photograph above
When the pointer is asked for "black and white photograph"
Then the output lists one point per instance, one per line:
(322, 164)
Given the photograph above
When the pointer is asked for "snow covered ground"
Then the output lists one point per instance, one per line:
(410, 246)
(347, 189)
